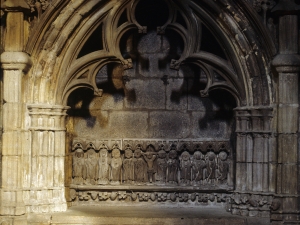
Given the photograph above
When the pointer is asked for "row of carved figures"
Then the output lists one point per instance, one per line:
(138, 167)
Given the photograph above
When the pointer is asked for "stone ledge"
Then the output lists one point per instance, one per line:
(139, 215)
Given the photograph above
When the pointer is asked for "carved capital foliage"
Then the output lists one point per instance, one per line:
(257, 205)
(254, 119)
(47, 117)
(81, 196)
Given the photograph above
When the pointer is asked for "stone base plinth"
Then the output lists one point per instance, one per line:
(98, 215)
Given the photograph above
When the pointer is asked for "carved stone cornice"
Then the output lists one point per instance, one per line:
(15, 61)
(47, 117)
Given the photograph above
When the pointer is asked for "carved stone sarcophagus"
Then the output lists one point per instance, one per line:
(156, 169)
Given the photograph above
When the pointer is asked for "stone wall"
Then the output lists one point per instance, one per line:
(156, 102)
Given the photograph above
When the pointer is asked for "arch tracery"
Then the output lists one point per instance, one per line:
(61, 71)
(230, 34)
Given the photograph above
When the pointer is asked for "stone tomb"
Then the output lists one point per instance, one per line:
(150, 170)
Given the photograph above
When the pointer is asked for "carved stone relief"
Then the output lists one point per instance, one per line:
(159, 170)
(141, 196)
(252, 204)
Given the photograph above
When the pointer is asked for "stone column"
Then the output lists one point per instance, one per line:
(14, 63)
(255, 169)
(45, 184)
(287, 64)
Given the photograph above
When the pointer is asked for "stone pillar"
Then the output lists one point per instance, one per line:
(45, 184)
(14, 63)
(287, 63)
(255, 161)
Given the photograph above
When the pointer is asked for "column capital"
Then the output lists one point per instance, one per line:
(47, 117)
(16, 6)
(15, 61)
(287, 63)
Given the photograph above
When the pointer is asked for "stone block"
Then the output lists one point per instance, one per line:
(289, 179)
(249, 149)
(208, 125)
(241, 176)
(12, 113)
(272, 177)
(145, 94)
(290, 204)
(287, 118)
(265, 178)
(249, 176)
(287, 148)
(11, 143)
(26, 171)
(288, 88)
(10, 166)
(34, 175)
(51, 145)
(152, 43)
(41, 171)
(257, 176)
(91, 126)
(50, 171)
(163, 124)
(59, 171)
(20, 220)
(272, 150)
(128, 124)
(26, 143)
(241, 148)
(258, 149)
(44, 143)
(59, 143)
(108, 101)
(155, 65)
(176, 94)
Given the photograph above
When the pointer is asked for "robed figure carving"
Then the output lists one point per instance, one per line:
(211, 167)
(116, 166)
(128, 167)
(103, 166)
(172, 167)
(139, 167)
(149, 158)
(198, 166)
(162, 166)
(79, 172)
(185, 168)
(91, 164)
(223, 166)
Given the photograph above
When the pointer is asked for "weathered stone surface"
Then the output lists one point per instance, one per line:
(287, 148)
(169, 124)
(289, 185)
(145, 94)
(109, 101)
(138, 215)
(206, 124)
(241, 182)
(128, 124)
(176, 95)
(287, 115)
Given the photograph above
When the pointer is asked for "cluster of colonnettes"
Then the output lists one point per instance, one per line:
(139, 167)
